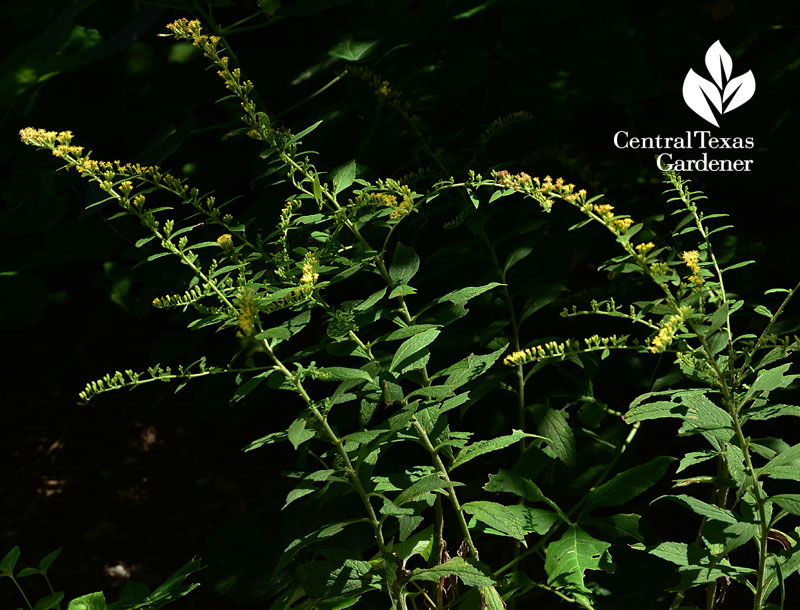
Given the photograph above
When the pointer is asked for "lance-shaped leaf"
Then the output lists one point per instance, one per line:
(629, 484)
(329, 578)
(698, 92)
(719, 63)
(570, 556)
(422, 486)
(471, 573)
(739, 90)
(481, 447)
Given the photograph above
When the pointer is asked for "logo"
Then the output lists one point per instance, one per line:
(724, 93)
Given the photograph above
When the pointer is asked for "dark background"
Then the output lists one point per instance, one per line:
(151, 479)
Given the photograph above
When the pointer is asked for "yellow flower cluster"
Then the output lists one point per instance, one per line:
(621, 225)
(553, 349)
(644, 248)
(176, 300)
(310, 276)
(225, 242)
(400, 208)
(540, 190)
(666, 333)
(538, 352)
(692, 260)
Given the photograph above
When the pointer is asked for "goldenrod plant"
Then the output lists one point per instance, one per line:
(324, 302)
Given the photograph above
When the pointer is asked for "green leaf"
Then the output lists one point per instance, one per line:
(50, 602)
(679, 553)
(406, 354)
(172, 588)
(617, 526)
(269, 439)
(696, 457)
(628, 484)
(464, 295)
(304, 133)
(329, 578)
(344, 176)
(497, 517)
(536, 520)
(784, 458)
(92, 601)
(516, 256)
(543, 294)
(771, 379)
(48, 560)
(471, 573)
(420, 543)
(9, 562)
(554, 426)
(473, 450)
(341, 373)
(765, 412)
(422, 486)
(296, 545)
(28, 572)
(297, 432)
(570, 556)
(469, 368)
(352, 50)
(788, 502)
(405, 264)
(702, 508)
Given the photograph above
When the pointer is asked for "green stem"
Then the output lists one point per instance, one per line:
(440, 467)
(21, 592)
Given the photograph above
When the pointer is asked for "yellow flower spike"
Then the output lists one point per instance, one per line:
(309, 265)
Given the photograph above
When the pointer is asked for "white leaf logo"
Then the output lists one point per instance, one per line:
(724, 93)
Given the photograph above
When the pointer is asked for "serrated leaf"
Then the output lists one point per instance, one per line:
(296, 545)
(788, 502)
(703, 509)
(475, 449)
(771, 379)
(344, 176)
(569, 557)
(496, 516)
(92, 601)
(341, 373)
(536, 520)
(471, 573)
(616, 526)
(553, 425)
(411, 347)
(470, 368)
(298, 433)
(330, 578)
(422, 486)
(420, 543)
(765, 412)
(628, 484)
(785, 458)
(269, 439)
(696, 457)
(405, 264)
(464, 295)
